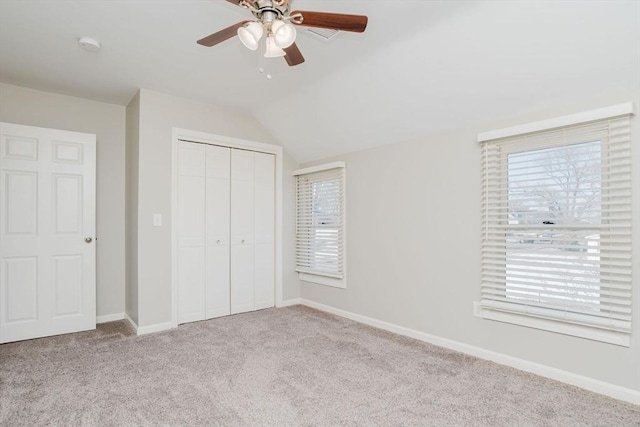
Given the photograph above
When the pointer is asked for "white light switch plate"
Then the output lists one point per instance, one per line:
(157, 220)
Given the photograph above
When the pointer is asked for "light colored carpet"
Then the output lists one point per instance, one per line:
(278, 367)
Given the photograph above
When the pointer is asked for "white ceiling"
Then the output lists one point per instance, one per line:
(421, 67)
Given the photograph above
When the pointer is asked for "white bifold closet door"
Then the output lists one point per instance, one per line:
(217, 231)
(191, 232)
(264, 231)
(252, 231)
(225, 231)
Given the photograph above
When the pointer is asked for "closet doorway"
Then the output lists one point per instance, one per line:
(225, 226)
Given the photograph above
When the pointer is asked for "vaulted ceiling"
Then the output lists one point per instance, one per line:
(421, 67)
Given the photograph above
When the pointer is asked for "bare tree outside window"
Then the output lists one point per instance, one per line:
(554, 217)
(325, 224)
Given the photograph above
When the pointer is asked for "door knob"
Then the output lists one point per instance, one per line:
(88, 239)
(218, 241)
(242, 241)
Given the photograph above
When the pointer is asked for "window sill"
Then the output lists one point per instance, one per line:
(323, 280)
(596, 334)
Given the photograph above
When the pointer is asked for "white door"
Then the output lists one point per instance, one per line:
(242, 231)
(264, 230)
(47, 230)
(203, 231)
(226, 214)
(218, 188)
(252, 231)
(191, 231)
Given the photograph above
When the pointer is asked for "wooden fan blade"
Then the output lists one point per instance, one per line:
(334, 21)
(222, 35)
(293, 55)
(236, 2)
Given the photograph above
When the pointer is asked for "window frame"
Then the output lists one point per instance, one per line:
(318, 277)
(521, 317)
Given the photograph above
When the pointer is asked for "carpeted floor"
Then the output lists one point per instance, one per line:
(278, 367)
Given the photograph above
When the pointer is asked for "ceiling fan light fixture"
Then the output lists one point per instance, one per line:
(272, 50)
(275, 18)
(284, 34)
(250, 35)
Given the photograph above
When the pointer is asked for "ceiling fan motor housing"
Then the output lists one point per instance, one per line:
(269, 10)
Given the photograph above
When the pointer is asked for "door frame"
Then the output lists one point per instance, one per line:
(178, 134)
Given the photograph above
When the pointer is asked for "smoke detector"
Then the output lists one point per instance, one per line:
(89, 44)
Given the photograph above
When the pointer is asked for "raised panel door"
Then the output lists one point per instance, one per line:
(47, 230)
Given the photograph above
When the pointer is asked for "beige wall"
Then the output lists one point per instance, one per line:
(131, 207)
(290, 282)
(35, 108)
(159, 113)
(413, 251)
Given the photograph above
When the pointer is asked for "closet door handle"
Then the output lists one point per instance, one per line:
(242, 241)
(218, 242)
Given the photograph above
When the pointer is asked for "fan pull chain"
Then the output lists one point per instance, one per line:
(268, 76)
(262, 67)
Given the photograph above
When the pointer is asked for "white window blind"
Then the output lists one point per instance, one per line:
(557, 225)
(320, 222)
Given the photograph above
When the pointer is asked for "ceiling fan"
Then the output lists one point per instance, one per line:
(274, 19)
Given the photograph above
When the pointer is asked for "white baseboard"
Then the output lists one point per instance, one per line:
(290, 302)
(597, 386)
(109, 317)
(143, 330)
(133, 324)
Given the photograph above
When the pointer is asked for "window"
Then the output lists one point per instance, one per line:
(320, 224)
(556, 247)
